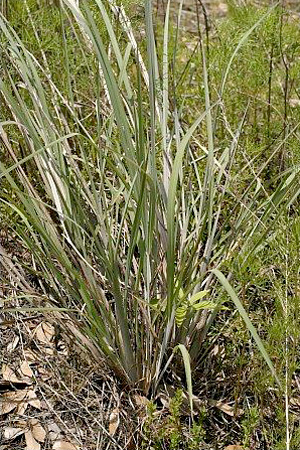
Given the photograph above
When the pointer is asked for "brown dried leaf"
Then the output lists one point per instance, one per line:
(227, 409)
(37, 430)
(21, 409)
(114, 421)
(31, 443)
(32, 399)
(9, 375)
(45, 332)
(140, 400)
(165, 400)
(30, 356)
(215, 350)
(295, 401)
(48, 350)
(10, 400)
(294, 102)
(53, 431)
(12, 433)
(64, 445)
(234, 447)
(25, 369)
(44, 373)
(223, 8)
(12, 345)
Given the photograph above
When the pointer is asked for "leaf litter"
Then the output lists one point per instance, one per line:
(26, 366)
(33, 431)
(8, 374)
(19, 400)
(64, 445)
(114, 421)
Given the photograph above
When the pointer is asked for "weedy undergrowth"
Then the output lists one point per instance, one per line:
(277, 288)
(127, 220)
(170, 428)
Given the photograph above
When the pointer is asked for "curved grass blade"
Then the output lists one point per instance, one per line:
(227, 286)
(188, 372)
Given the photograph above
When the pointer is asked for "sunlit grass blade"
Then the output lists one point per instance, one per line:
(229, 289)
(188, 373)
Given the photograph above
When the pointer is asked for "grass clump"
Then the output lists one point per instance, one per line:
(146, 209)
(114, 233)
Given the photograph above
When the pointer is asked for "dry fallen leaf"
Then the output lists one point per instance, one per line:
(44, 374)
(22, 408)
(25, 369)
(295, 401)
(294, 102)
(12, 345)
(31, 443)
(12, 433)
(164, 399)
(32, 399)
(64, 445)
(114, 421)
(37, 430)
(215, 350)
(34, 433)
(10, 400)
(29, 399)
(30, 356)
(44, 332)
(9, 375)
(141, 400)
(234, 447)
(227, 409)
(223, 8)
(53, 431)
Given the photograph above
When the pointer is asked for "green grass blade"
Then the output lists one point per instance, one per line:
(227, 286)
(188, 373)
